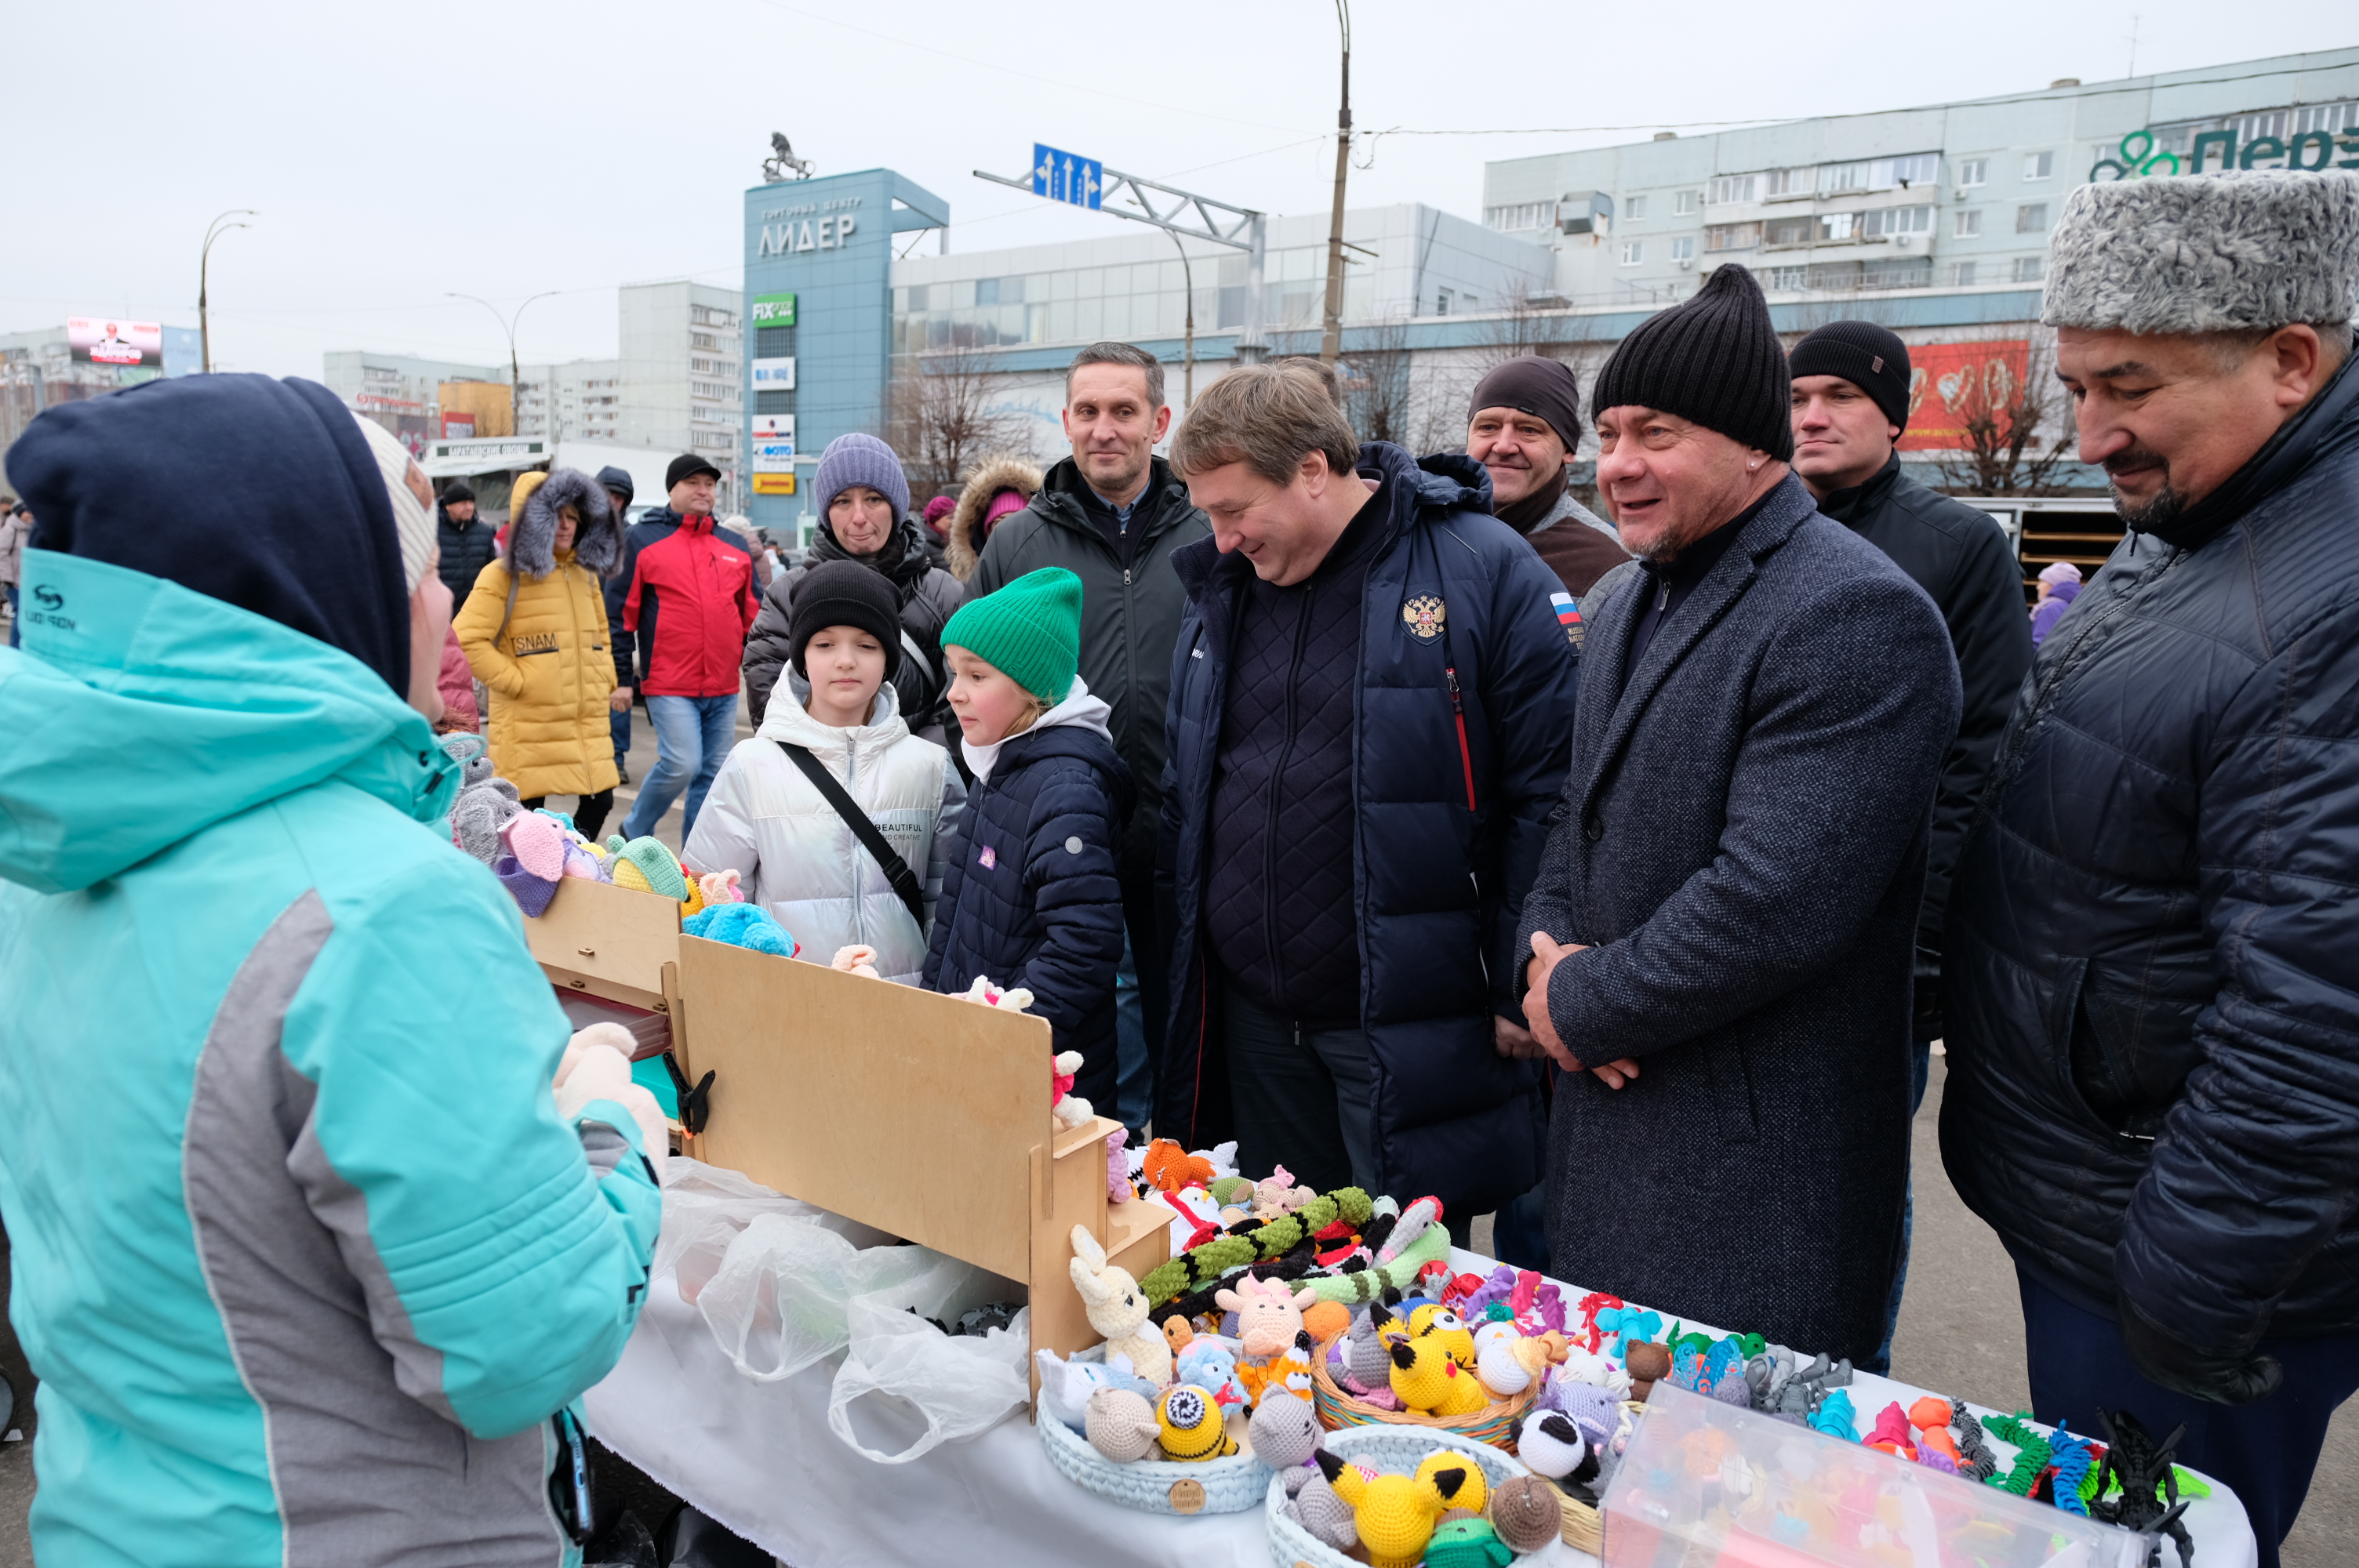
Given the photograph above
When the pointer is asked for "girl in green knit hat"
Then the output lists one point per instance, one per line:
(1031, 898)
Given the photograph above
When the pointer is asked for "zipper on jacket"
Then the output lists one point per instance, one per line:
(1458, 711)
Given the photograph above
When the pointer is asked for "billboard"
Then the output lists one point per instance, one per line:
(775, 374)
(1954, 387)
(774, 484)
(114, 340)
(774, 457)
(774, 310)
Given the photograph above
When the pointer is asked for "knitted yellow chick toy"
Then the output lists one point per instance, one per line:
(1394, 1514)
(1430, 1383)
(1192, 1425)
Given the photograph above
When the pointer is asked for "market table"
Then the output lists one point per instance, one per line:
(761, 1459)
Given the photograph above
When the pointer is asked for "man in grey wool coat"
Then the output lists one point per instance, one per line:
(1718, 942)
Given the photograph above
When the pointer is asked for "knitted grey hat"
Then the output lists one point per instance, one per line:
(858, 459)
(2205, 253)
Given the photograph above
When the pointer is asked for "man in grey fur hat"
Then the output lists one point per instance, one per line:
(2154, 1032)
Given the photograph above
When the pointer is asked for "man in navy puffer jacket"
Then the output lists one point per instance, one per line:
(2154, 1037)
(1371, 714)
(1032, 897)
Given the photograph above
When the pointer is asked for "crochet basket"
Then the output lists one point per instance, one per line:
(1494, 1424)
(1228, 1485)
(1394, 1449)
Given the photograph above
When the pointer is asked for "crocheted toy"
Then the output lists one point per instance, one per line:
(741, 926)
(1278, 1196)
(990, 995)
(1550, 1443)
(474, 757)
(1268, 1314)
(1117, 1308)
(1328, 1518)
(1431, 1383)
(1443, 1324)
(1324, 1321)
(1285, 1434)
(1211, 1366)
(1068, 1109)
(1120, 1425)
(1414, 1221)
(1394, 1514)
(644, 864)
(1118, 1168)
(1368, 1355)
(1582, 1364)
(1287, 1373)
(1506, 1361)
(1467, 1543)
(1191, 1426)
(720, 887)
(853, 958)
(1066, 1386)
(1527, 1513)
(1170, 1167)
(479, 814)
(1474, 1494)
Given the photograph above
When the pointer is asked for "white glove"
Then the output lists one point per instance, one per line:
(595, 1067)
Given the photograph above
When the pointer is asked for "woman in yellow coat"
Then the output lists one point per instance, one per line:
(534, 630)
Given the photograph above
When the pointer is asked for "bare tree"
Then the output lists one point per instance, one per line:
(1376, 382)
(942, 412)
(1999, 405)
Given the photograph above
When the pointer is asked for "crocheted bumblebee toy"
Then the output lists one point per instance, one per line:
(1191, 1424)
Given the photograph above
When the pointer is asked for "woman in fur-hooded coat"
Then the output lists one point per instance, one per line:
(534, 631)
(971, 524)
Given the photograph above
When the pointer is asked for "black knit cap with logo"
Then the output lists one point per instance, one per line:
(1864, 354)
(1713, 359)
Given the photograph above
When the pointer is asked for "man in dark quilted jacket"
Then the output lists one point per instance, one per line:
(2154, 1037)
(1371, 707)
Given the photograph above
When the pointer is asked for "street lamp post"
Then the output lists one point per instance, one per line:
(516, 378)
(214, 230)
(1331, 342)
(1187, 363)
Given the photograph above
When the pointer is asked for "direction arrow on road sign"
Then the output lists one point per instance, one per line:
(1067, 176)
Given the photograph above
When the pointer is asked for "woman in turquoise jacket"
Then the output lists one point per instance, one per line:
(307, 1259)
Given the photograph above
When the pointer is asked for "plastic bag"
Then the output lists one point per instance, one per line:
(958, 1386)
(706, 1207)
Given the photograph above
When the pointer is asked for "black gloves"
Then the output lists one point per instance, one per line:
(2164, 1359)
(1927, 1020)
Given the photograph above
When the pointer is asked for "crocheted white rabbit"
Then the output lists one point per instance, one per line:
(1117, 1308)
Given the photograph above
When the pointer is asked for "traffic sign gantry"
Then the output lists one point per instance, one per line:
(1067, 177)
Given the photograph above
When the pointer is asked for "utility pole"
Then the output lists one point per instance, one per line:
(1331, 342)
(1188, 364)
(516, 377)
(204, 323)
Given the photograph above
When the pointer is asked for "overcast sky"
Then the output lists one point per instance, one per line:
(398, 153)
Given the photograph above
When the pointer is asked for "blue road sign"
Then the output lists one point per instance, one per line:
(1067, 176)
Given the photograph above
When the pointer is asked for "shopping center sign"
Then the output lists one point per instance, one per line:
(2142, 153)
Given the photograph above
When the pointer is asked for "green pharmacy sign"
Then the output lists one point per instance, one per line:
(774, 310)
(2142, 153)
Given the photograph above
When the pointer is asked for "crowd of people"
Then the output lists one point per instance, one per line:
(1395, 815)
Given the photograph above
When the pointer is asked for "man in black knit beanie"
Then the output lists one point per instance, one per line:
(1723, 923)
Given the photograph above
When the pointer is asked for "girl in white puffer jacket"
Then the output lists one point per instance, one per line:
(797, 856)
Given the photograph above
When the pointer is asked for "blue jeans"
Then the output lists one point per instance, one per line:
(692, 735)
(1134, 1082)
(618, 726)
(2267, 1450)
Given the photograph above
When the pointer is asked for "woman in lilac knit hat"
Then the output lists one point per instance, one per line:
(2060, 585)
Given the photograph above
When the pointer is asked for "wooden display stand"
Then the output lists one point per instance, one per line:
(924, 1116)
(620, 944)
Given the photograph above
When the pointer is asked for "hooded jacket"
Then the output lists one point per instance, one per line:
(1447, 825)
(702, 577)
(1959, 556)
(467, 548)
(1031, 896)
(800, 861)
(2154, 1046)
(304, 1257)
(929, 595)
(548, 669)
(964, 546)
(1130, 615)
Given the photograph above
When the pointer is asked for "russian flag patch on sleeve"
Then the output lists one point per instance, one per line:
(1567, 615)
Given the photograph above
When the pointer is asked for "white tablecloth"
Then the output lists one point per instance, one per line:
(761, 1459)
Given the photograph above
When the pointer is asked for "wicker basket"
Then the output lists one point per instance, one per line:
(1393, 1448)
(1585, 1526)
(1493, 1425)
(1228, 1485)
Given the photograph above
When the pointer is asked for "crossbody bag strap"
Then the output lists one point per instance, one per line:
(896, 870)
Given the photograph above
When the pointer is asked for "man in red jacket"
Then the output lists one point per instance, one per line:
(679, 611)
